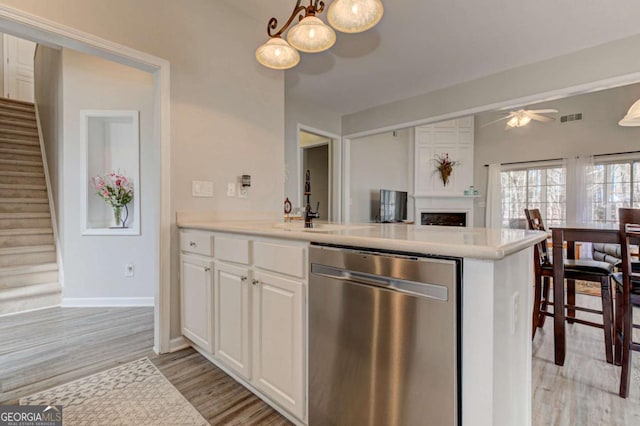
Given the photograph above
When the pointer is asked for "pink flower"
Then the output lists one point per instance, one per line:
(118, 182)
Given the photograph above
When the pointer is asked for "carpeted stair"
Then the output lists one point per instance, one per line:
(28, 267)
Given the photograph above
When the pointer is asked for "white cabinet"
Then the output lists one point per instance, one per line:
(278, 320)
(231, 317)
(196, 284)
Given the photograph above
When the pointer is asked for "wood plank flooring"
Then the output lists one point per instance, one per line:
(47, 348)
(585, 390)
(43, 349)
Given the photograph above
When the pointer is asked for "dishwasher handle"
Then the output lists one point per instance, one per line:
(431, 291)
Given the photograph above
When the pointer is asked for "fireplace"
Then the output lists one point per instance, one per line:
(443, 218)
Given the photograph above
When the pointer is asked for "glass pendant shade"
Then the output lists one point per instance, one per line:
(633, 116)
(311, 35)
(277, 54)
(519, 121)
(354, 16)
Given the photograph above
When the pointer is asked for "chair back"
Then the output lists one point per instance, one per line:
(535, 223)
(629, 232)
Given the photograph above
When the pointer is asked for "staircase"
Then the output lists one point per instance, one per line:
(28, 267)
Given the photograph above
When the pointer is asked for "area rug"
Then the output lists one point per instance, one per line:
(131, 394)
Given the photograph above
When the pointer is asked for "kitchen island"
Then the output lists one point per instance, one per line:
(496, 295)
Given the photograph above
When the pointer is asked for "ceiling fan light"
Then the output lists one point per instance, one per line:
(355, 16)
(277, 54)
(632, 118)
(311, 35)
(524, 120)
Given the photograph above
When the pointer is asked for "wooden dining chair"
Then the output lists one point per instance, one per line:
(574, 269)
(627, 295)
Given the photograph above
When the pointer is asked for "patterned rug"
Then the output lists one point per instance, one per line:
(131, 394)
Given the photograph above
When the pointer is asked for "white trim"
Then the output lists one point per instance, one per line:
(91, 302)
(346, 180)
(335, 159)
(178, 343)
(52, 210)
(39, 29)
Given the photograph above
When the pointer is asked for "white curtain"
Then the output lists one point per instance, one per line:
(493, 214)
(579, 195)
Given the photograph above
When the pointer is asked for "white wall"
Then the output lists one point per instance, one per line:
(48, 96)
(379, 162)
(309, 115)
(94, 265)
(597, 133)
(227, 111)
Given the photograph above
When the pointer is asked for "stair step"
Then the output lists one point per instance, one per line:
(25, 240)
(12, 173)
(31, 297)
(6, 142)
(24, 201)
(17, 115)
(15, 166)
(20, 154)
(8, 123)
(10, 101)
(23, 186)
(24, 223)
(28, 163)
(24, 208)
(27, 269)
(25, 231)
(7, 251)
(21, 133)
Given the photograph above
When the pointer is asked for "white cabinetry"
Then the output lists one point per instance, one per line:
(243, 305)
(196, 284)
(231, 317)
(278, 320)
(455, 138)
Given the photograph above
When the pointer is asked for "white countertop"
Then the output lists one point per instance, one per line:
(478, 243)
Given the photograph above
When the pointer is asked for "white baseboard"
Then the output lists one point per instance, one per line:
(102, 302)
(178, 343)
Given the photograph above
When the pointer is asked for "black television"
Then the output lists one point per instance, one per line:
(393, 206)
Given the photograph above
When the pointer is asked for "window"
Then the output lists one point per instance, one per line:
(614, 185)
(543, 188)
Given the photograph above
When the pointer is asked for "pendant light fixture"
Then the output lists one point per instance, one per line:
(632, 118)
(354, 16)
(311, 35)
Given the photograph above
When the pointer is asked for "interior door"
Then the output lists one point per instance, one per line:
(18, 68)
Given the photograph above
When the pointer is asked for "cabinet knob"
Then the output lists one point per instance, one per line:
(243, 279)
(255, 282)
(207, 269)
(192, 244)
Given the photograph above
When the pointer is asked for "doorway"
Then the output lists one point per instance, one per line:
(316, 158)
(17, 54)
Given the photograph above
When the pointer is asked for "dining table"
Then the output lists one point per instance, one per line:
(569, 234)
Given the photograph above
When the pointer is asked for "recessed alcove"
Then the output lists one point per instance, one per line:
(109, 142)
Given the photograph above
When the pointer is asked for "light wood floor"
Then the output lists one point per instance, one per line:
(585, 390)
(43, 349)
(47, 348)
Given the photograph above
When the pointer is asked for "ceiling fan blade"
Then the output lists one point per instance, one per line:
(495, 121)
(543, 111)
(541, 118)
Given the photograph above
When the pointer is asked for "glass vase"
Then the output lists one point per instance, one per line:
(117, 216)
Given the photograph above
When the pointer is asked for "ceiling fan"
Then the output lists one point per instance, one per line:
(522, 117)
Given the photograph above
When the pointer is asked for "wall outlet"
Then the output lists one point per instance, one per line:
(201, 188)
(231, 189)
(129, 270)
(243, 192)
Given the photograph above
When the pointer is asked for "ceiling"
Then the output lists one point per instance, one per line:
(420, 46)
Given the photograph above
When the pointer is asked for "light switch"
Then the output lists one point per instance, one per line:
(201, 188)
(231, 189)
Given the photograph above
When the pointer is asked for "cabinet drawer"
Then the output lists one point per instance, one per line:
(196, 242)
(282, 258)
(231, 249)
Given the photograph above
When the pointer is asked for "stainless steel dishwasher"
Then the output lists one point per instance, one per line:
(384, 338)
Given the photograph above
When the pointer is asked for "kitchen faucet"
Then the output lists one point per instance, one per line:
(309, 215)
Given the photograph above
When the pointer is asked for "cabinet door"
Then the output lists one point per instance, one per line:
(196, 293)
(231, 317)
(278, 341)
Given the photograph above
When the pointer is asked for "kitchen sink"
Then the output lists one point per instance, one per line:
(318, 227)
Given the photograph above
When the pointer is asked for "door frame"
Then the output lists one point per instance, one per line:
(43, 31)
(335, 168)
